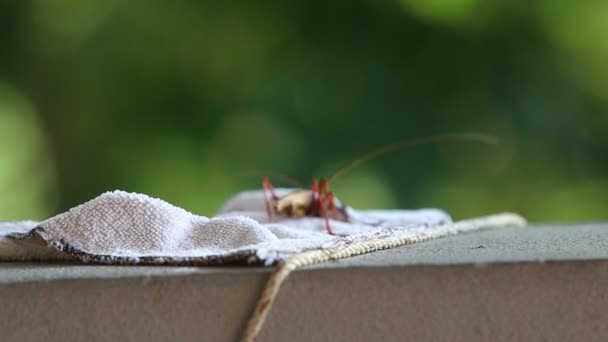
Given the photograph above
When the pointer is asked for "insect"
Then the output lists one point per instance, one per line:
(319, 201)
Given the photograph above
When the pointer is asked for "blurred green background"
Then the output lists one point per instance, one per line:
(176, 99)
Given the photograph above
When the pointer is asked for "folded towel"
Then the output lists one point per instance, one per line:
(128, 228)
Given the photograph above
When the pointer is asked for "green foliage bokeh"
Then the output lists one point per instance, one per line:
(179, 100)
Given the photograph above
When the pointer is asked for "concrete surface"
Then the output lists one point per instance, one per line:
(531, 244)
(537, 283)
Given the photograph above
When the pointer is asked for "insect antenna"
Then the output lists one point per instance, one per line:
(465, 136)
(266, 173)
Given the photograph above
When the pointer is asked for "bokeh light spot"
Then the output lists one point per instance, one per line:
(27, 174)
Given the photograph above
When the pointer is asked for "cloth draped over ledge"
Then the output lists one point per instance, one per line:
(129, 228)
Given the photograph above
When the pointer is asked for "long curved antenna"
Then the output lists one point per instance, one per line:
(465, 136)
(273, 174)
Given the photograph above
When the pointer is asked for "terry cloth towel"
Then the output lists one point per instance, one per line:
(128, 228)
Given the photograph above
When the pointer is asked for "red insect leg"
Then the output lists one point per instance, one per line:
(332, 205)
(324, 196)
(317, 201)
(269, 196)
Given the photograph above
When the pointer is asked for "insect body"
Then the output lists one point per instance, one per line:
(320, 202)
(317, 202)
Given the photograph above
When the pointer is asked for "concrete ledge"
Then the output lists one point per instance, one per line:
(536, 283)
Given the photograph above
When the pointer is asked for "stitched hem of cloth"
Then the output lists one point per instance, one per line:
(71, 253)
(284, 268)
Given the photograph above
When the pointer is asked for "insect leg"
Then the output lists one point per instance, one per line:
(324, 195)
(332, 205)
(269, 196)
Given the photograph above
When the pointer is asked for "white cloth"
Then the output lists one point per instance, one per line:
(121, 227)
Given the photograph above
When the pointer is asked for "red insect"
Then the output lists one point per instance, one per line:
(319, 201)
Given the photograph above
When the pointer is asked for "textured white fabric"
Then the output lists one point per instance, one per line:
(133, 226)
